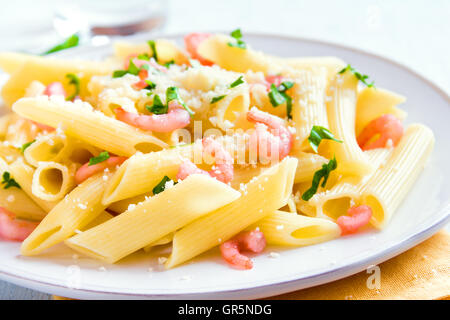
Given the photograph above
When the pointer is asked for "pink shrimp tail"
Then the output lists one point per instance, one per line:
(192, 41)
(274, 79)
(177, 117)
(253, 241)
(357, 217)
(86, 171)
(187, 168)
(278, 140)
(388, 127)
(55, 89)
(223, 170)
(13, 229)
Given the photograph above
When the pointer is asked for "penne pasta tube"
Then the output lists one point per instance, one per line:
(341, 108)
(5, 120)
(52, 181)
(92, 126)
(164, 240)
(81, 206)
(48, 70)
(167, 51)
(10, 62)
(388, 186)
(23, 174)
(16, 200)
(308, 104)
(140, 173)
(49, 147)
(373, 103)
(332, 203)
(308, 164)
(262, 196)
(287, 229)
(154, 218)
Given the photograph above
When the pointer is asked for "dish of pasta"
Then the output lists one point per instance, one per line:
(165, 152)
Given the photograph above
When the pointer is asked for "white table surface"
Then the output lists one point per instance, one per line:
(415, 33)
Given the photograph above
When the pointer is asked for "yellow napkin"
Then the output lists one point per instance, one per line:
(422, 272)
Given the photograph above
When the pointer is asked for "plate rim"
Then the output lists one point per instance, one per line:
(281, 286)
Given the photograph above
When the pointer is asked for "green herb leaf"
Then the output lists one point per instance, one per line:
(73, 79)
(152, 45)
(275, 97)
(119, 73)
(161, 186)
(70, 42)
(144, 56)
(132, 68)
(172, 93)
(278, 95)
(216, 99)
(319, 133)
(318, 175)
(237, 82)
(158, 107)
(150, 85)
(103, 156)
(168, 64)
(26, 145)
(236, 34)
(9, 182)
(361, 77)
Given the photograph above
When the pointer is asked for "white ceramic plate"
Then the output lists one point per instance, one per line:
(423, 213)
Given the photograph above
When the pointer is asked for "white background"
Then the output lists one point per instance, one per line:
(415, 33)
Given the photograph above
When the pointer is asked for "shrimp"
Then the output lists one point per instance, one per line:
(55, 89)
(192, 41)
(177, 117)
(387, 127)
(86, 171)
(222, 171)
(14, 229)
(276, 80)
(253, 241)
(357, 217)
(280, 139)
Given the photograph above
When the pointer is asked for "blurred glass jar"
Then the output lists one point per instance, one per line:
(35, 26)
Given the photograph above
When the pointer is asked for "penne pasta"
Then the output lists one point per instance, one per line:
(264, 194)
(52, 181)
(154, 218)
(91, 126)
(74, 212)
(287, 229)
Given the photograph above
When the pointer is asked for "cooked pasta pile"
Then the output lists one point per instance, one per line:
(212, 145)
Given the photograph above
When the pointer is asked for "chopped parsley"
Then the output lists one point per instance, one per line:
(70, 42)
(144, 56)
(103, 156)
(132, 69)
(150, 85)
(161, 186)
(73, 79)
(278, 95)
(172, 93)
(361, 77)
(236, 34)
(157, 107)
(237, 82)
(9, 182)
(152, 45)
(217, 99)
(168, 64)
(319, 133)
(26, 145)
(318, 175)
